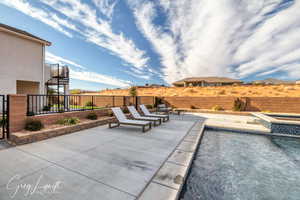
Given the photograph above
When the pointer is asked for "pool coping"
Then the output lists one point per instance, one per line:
(270, 119)
(168, 181)
(251, 133)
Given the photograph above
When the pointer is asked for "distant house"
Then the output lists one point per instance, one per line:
(272, 81)
(150, 86)
(155, 86)
(206, 81)
(298, 82)
(22, 63)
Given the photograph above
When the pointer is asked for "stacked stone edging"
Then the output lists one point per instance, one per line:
(20, 138)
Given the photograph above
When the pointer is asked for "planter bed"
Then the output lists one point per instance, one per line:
(25, 137)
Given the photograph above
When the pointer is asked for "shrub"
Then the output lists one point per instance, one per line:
(33, 125)
(68, 121)
(46, 108)
(2, 121)
(89, 104)
(61, 110)
(289, 88)
(193, 107)
(111, 114)
(133, 91)
(238, 105)
(158, 101)
(30, 113)
(217, 108)
(125, 110)
(189, 90)
(266, 111)
(222, 92)
(149, 106)
(92, 116)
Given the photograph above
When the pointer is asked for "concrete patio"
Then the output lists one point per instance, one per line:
(98, 163)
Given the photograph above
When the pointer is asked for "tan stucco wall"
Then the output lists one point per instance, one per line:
(20, 59)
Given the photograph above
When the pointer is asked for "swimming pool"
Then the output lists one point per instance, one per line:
(243, 166)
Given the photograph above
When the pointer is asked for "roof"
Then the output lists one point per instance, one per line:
(208, 80)
(24, 34)
(273, 81)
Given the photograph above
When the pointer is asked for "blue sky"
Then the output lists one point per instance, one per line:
(118, 43)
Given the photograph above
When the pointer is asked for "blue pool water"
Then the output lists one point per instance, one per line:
(233, 166)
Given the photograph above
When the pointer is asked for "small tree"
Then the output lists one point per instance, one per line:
(133, 91)
(239, 105)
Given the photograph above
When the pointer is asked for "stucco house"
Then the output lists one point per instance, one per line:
(272, 81)
(22, 66)
(206, 81)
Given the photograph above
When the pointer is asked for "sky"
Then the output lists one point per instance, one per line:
(119, 43)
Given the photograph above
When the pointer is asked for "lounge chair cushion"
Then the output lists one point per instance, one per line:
(137, 115)
(121, 117)
(147, 113)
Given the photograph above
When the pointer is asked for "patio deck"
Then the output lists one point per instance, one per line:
(97, 163)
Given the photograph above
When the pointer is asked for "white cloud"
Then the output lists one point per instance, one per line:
(85, 21)
(137, 75)
(223, 38)
(50, 19)
(56, 59)
(98, 30)
(98, 78)
(106, 6)
(79, 72)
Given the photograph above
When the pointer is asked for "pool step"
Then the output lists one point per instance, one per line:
(289, 127)
(241, 127)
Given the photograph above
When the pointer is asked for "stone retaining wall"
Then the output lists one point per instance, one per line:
(19, 138)
(53, 118)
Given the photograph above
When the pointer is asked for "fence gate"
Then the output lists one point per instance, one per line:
(4, 123)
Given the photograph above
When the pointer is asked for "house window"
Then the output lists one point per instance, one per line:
(28, 87)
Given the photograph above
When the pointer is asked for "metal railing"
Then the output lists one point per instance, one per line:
(46, 104)
(4, 124)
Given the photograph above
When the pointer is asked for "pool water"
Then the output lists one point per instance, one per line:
(237, 166)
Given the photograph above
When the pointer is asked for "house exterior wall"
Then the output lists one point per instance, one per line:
(21, 59)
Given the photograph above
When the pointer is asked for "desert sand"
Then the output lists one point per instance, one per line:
(237, 91)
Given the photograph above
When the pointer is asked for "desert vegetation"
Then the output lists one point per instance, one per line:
(236, 91)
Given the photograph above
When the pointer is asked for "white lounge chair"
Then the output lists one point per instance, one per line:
(122, 119)
(148, 114)
(163, 108)
(136, 115)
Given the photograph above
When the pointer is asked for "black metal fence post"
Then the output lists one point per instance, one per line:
(6, 102)
(136, 102)
(3, 116)
(92, 102)
(38, 104)
(28, 105)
